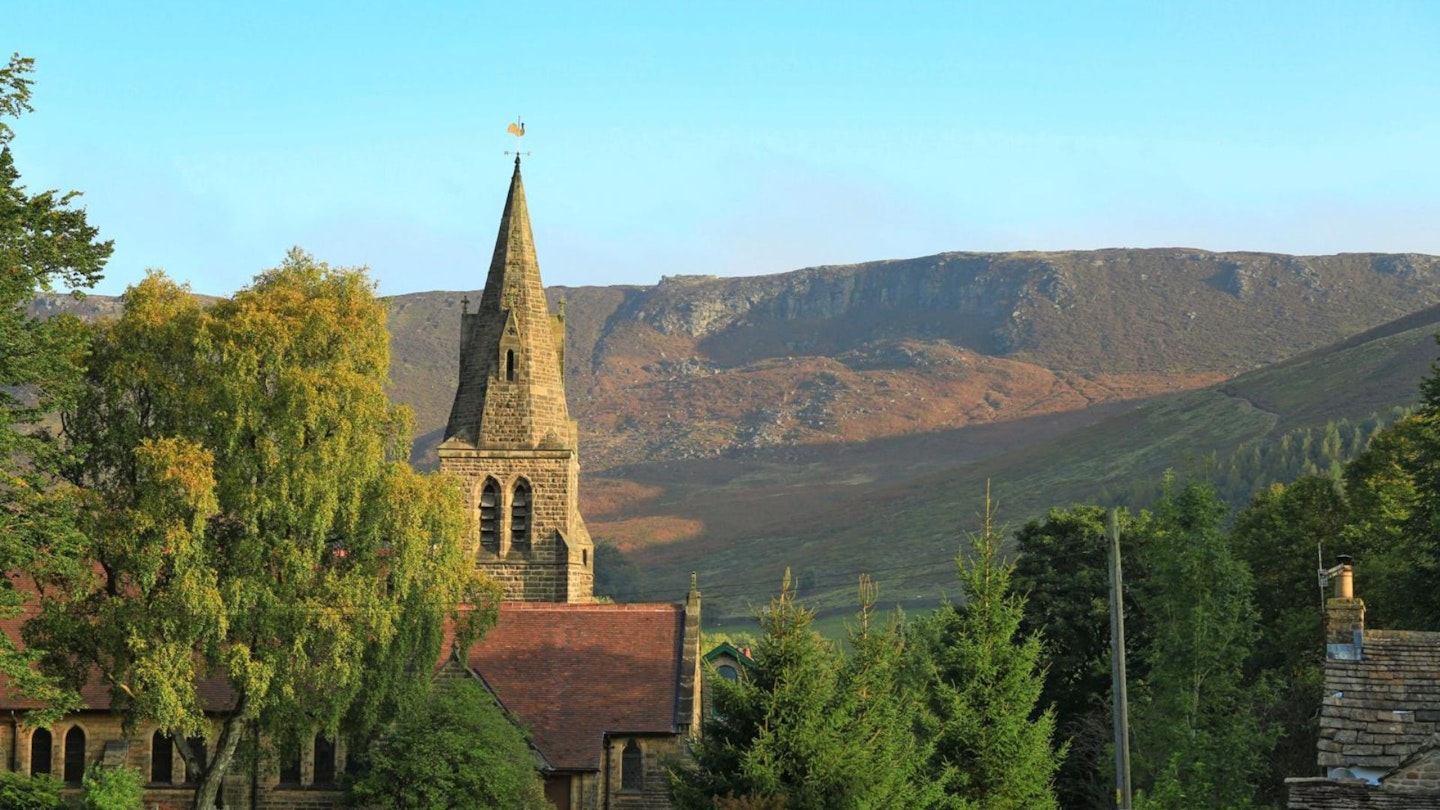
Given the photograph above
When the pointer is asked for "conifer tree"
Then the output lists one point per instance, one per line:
(994, 742)
(806, 729)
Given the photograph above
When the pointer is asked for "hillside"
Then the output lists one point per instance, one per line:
(696, 366)
(840, 419)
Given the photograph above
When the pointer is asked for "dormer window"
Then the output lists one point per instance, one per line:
(510, 365)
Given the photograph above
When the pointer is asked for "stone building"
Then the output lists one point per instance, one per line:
(510, 435)
(1379, 718)
(607, 694)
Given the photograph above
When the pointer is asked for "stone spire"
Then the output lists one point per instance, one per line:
(511, 392)
(510, 436)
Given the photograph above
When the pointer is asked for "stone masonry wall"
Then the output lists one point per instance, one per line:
(551, 569)
(102, 727)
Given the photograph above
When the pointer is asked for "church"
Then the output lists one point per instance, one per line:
(607, 694)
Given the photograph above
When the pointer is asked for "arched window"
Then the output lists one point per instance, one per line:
(632, 767)
(290, 764)
(728, 672)
(490, 516)
(74, 755)
(510, 365)
(520, 515)
(324, 761)
(40, 751)
(202, 758)
(162, 759)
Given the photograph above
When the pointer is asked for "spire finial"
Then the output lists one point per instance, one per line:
(518, 130)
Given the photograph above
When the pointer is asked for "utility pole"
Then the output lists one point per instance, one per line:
(1117, 667)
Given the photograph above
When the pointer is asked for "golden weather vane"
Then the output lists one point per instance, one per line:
(518, 130)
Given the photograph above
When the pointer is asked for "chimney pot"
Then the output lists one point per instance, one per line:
(1345, 585)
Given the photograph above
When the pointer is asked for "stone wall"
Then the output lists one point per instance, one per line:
(558, 564)
(102, 728)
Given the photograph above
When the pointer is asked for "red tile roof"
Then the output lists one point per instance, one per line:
(572, 673)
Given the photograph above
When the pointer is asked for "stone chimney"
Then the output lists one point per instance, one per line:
(1344, 615)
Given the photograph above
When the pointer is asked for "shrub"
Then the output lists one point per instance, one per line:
(112, 789)
(20, 792)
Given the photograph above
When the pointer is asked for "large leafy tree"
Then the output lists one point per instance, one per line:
(994, 740)
(45, 243)
(1200, 741)
(1277, 536)
(1063, 569)
(454, 747)
(248, 522)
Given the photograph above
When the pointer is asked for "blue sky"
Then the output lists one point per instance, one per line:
(728, 138)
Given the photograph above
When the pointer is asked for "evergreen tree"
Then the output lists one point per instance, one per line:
(806, 729)
(994, 742)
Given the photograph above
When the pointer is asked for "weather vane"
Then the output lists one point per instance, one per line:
(518, 130)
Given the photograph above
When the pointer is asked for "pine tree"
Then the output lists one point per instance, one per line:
(807, 729)
(994, 743)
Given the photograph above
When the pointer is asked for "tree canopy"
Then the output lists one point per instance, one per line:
(247, 520)
(46, 243)
(453, 747)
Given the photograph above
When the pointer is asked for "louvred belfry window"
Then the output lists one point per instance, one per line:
(490, 515)
(520, 515)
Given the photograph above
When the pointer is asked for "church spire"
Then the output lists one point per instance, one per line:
(510, 436)
(511, 392)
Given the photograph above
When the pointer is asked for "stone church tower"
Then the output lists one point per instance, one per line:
(510, 435)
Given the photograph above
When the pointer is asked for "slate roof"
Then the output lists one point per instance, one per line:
(1381, 709)
(573, 673)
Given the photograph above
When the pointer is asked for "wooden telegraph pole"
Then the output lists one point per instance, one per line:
(1117, 667)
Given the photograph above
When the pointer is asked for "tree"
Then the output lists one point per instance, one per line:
(452, 748)
(994, 740)
(247, 519)
(1277, 536)
(1199, 740)
(807, 729)
(1063, 568)
(45, 242)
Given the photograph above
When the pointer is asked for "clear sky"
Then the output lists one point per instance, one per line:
(730, 138)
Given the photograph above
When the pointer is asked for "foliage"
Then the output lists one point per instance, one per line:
(1063, 568)
(616, 575)
(1199, 740)
(454, 747)
(993, 739)
(45, 242)
(112, 789)
(21, 792)
(1277, 536)
(808, 729)
(244, 519)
